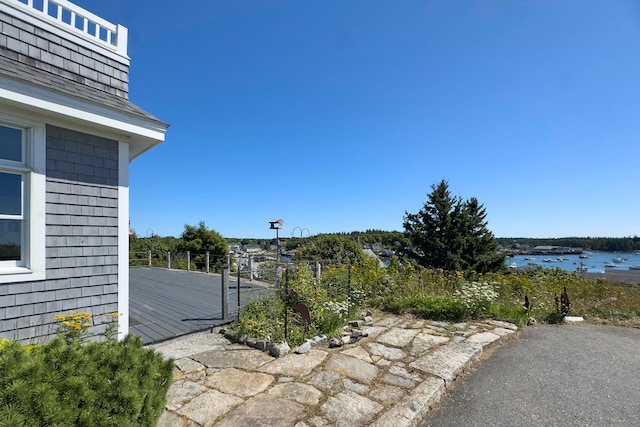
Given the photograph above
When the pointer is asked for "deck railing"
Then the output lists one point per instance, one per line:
(79, 20)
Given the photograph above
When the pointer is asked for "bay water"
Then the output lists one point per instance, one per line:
(595, 263)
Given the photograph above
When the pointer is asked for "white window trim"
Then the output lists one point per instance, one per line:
(35, 209)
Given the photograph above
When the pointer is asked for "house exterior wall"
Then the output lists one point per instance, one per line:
(82, 205)
(42, 49)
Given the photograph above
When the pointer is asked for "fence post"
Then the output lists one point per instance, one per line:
(238, 290)
(169, 260)
(318, 270)
(206, 268)
(286, 304)
(149, 259)
(250, 267)
(188, 260)
(225, 291)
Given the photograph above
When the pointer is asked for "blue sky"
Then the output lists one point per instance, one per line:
(338, 116)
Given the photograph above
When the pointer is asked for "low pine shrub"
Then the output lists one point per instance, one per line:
(67, 382)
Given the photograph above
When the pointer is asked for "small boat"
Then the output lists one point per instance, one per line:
(634, 267)
(584, 256)
(610, 265)
(582, 269)
(513, 266)
(618, 260)
(547, 260)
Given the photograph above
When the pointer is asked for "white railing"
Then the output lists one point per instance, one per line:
(96, 28)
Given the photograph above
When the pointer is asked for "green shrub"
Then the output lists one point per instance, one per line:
(433, 307)
(65, 383)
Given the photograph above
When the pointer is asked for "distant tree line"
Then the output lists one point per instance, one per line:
(604, 244)
(196, 239)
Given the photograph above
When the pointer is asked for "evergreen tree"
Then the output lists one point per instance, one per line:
(451, 234)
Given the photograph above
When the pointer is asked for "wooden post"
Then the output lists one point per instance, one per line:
(207, 262)
(149, 259)
(188, 260)
(169, 260)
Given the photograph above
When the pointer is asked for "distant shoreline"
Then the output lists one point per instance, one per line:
(631, 277)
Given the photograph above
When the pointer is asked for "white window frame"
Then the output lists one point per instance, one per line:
(33, 168)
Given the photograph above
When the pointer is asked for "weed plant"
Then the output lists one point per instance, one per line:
(72, 382)
(435, 294)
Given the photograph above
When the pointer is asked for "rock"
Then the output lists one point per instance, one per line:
(351, 367)
(261, 345)
(303, 348)
(335, 342)
(356, 323)
(239, 383)
(321, 339)
(350, 409)
(246, 358)
(295, 365)
(278, 350)
(449, 360)
(209, 406)
(264, 410)
(181, 392)
(299, 392)
(398, 337)
(390, 353)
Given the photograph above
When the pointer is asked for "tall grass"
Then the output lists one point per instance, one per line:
(440, 295)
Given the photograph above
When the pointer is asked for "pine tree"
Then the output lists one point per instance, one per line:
(451, 234)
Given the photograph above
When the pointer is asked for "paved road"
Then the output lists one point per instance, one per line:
(168, 303)
(552, 376)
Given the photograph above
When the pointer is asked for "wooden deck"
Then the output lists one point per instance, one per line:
(165, 303)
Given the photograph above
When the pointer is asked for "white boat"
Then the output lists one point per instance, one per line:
(547, 260)
(610, 265)
(634, 267)
(513, 266)
(584, 256)
(618, 260)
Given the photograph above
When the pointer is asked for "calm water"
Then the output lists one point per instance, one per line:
(595, 263)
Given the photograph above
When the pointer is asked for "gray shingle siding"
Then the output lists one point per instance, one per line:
(46, 51)
(81, 239)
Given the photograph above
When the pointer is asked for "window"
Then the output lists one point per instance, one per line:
(22, 201)
(11, 196)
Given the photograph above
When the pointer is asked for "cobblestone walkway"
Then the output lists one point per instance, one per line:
(389, 378)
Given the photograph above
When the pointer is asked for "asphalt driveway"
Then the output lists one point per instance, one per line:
(565, 375)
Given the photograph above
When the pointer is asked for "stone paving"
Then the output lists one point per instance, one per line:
(389, 378)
